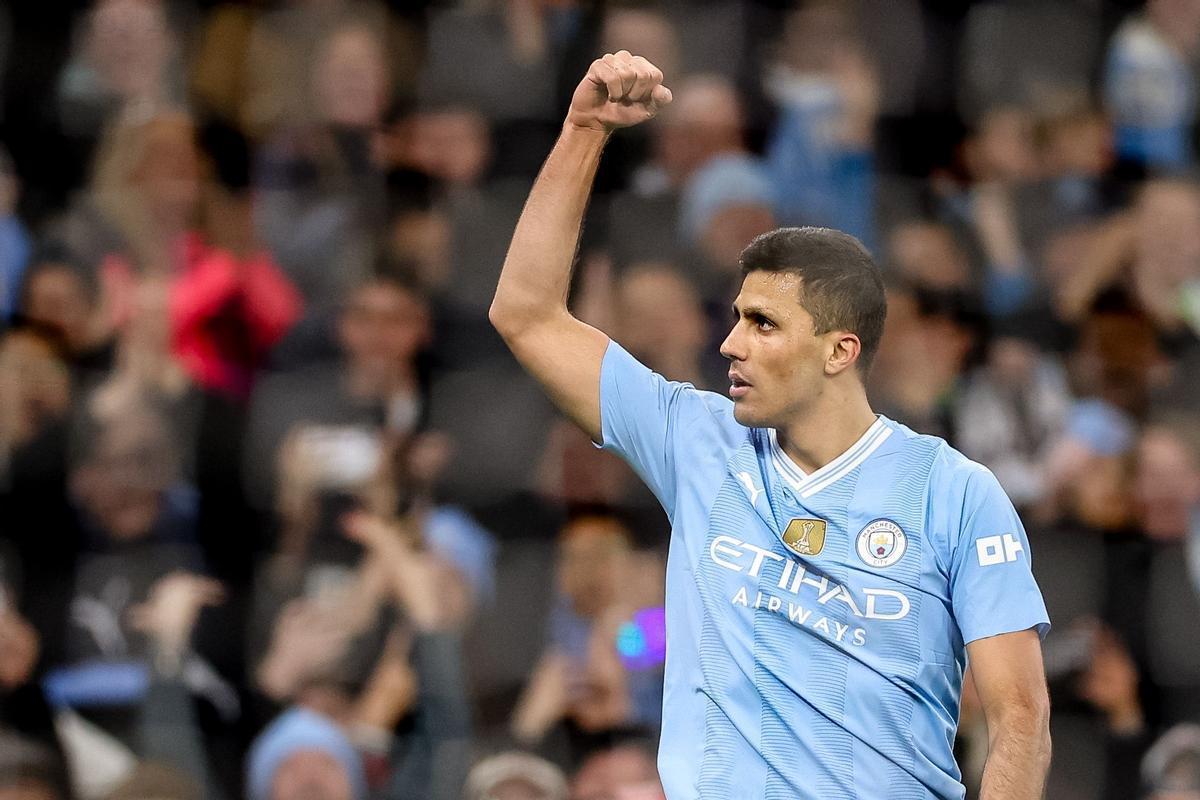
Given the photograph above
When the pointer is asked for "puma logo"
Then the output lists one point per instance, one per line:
(748, 482)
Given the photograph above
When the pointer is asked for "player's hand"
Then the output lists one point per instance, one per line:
(619, 90)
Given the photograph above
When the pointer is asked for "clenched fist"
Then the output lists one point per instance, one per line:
(619, 90)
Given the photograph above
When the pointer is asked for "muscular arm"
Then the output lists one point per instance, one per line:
(1012, 688)
(530, 306)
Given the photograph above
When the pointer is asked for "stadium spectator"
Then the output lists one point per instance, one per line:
(370, 377)
(929, 335)
(138, 521)
(1150, 87)
(15, 244)
(63, 296)
(820, 153)
(515, 776)
(320, 180)
(659, 315)
(1167, 491)
(326, 654)
(1171, 769)
(201, 195)
(704, 122)
(999, 162)
(154, 210)
(624, 770)
(127, 62)
(927, 254)
(723, 204)
(583, 677)
(1010, 409)
(302, 754)
(35, 397)
(35, 392)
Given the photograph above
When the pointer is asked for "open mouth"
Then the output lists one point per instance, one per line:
(738, 386)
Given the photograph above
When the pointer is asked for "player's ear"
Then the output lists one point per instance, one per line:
(844, 353)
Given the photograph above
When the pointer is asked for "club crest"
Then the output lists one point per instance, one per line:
(881, 544)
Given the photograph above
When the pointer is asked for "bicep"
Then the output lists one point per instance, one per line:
(565, 356)
(1008, 674)
(992, 587)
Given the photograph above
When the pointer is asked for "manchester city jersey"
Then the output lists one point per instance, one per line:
(816, 623)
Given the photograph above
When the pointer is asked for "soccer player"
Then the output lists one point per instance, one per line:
(830, 571)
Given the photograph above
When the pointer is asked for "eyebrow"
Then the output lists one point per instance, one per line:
(750, 311)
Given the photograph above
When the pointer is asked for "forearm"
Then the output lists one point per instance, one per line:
(432, 764)
(168, 731)
(445, 712)
(537, 269)
(1018, 758)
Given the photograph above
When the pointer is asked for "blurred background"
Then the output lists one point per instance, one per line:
(281, 518)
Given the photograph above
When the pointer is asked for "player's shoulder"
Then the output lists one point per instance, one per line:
(956, 489)
(710, 411)
(949, 470)
(706, 417)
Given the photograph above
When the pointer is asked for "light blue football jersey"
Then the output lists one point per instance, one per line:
(816, 623)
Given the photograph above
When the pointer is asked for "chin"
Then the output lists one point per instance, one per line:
(746, 416)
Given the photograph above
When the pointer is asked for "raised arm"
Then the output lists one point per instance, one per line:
(530, 306)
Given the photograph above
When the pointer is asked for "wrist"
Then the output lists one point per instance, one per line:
(585, 128)
(531, 727)
(168, 660)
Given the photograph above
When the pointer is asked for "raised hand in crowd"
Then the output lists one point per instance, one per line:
(545, 700)
(170, 613)
(1111, 685)
(421, 583)
(391, 690)
(308, 640)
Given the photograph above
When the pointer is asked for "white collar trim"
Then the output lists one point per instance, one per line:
(809, 484)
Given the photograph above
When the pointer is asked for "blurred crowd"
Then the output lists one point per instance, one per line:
(280, 518)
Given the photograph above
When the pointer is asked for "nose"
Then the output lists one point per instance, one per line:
(734, 346)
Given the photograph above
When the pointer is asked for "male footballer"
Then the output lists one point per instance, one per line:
(830, 570)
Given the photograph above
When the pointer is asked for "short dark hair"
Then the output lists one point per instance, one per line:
(842, 287)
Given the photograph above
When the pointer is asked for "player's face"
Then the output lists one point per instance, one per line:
(776, 367)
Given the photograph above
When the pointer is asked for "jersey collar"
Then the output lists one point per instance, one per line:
(806, 485)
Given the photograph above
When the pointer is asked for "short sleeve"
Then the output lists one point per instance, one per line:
(643, 417)
(992, 587)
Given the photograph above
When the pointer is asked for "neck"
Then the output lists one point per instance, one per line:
(828, 428)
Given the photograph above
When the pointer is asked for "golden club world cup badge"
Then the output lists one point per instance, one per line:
(805, 536)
